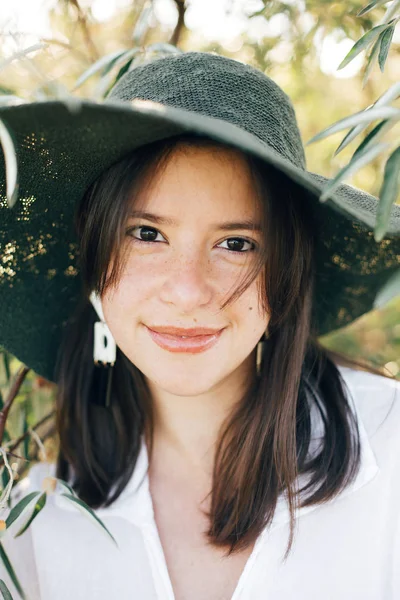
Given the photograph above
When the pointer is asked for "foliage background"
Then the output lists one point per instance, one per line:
(295, 42)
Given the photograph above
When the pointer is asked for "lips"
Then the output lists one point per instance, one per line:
(179, 339)
(184, 331)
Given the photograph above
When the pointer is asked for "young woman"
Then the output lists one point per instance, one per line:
(229, 454)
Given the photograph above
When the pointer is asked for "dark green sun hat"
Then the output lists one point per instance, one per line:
(61, 151)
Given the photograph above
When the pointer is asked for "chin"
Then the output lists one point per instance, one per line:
(187, 384)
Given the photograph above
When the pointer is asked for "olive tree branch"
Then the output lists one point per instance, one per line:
(82, 20)
(180, 4)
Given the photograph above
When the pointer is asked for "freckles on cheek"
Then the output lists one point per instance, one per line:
(139, 281)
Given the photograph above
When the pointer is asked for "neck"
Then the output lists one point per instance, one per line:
(187, 428)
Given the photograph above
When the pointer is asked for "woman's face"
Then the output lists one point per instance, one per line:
(189, 244)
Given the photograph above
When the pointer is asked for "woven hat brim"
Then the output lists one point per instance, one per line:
(62, 148)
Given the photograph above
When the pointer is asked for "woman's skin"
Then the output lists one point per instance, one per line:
(181, 279)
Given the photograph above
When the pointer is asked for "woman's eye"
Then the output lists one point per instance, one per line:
(239, 245)
(143, 233)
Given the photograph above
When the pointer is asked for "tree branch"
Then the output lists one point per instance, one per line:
(82, 20)
(180, 4)
(22, 372)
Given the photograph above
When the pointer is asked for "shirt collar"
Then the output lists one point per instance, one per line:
(135, 504)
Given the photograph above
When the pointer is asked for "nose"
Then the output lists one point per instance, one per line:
(188, 283)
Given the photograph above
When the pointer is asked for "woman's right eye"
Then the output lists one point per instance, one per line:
(144, 233)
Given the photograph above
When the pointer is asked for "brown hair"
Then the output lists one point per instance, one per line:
(264, 445)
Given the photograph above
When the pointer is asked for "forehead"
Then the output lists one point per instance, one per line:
(195, 180)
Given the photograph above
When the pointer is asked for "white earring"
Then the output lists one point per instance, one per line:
(259, 353)
(104, 347)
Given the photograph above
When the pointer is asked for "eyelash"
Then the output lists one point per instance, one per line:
(139, 241)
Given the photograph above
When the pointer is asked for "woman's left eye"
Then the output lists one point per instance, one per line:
(239, 245)
(144, 233)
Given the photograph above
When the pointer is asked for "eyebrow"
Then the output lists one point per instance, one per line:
(225, 226)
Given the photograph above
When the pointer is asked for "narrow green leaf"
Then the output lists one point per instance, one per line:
(25, 428)
(38, 507)
(386, 40)
(354, 165)
(362, 44)
(4, 591)
(5, 477)
(11, 572)
(373, 136)
(9, 100)
(123, 70)
(391, 11)
(364, 116)
(370, 6)
(67, 487)
(88, 512)
(22, 506)
(391, 94)
(21, 54)
(349, 137)
(143, 23)
(105, 62)
(390, 290)
(388, 194)
(108, 80)
(6, 359)
(165, 48)
(371, 61)
(10, 160)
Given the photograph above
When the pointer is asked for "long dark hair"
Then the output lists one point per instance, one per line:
(264, 445)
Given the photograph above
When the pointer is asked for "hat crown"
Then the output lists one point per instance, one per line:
(222, 88)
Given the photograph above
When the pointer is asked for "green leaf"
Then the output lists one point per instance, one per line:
(373, 135)
(370, 6)
(164, 48)
(11, 572)
(20, 508)
(364, 116)
(143, 23)
(4, 591)
(371, 61)
(105, 62)
(6, 360)
(25, 428)
(5, 477)
(386, 40)
(37, 508)
(10, 159)
(388, 194)
(88, 512)
(123, 70)
(67, 487)
(390, 290)
(391, 94)
(108, 80)
(349, 137)
(362, 44)
(354, 165)
(21, 54)
(10, 100)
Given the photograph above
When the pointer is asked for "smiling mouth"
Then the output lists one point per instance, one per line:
(185, 340)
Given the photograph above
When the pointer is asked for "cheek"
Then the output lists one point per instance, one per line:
(251, 313)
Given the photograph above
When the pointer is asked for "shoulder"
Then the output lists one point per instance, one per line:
(376, 400)
(33, 481)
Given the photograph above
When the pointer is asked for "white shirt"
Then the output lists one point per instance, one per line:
(347, 549)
